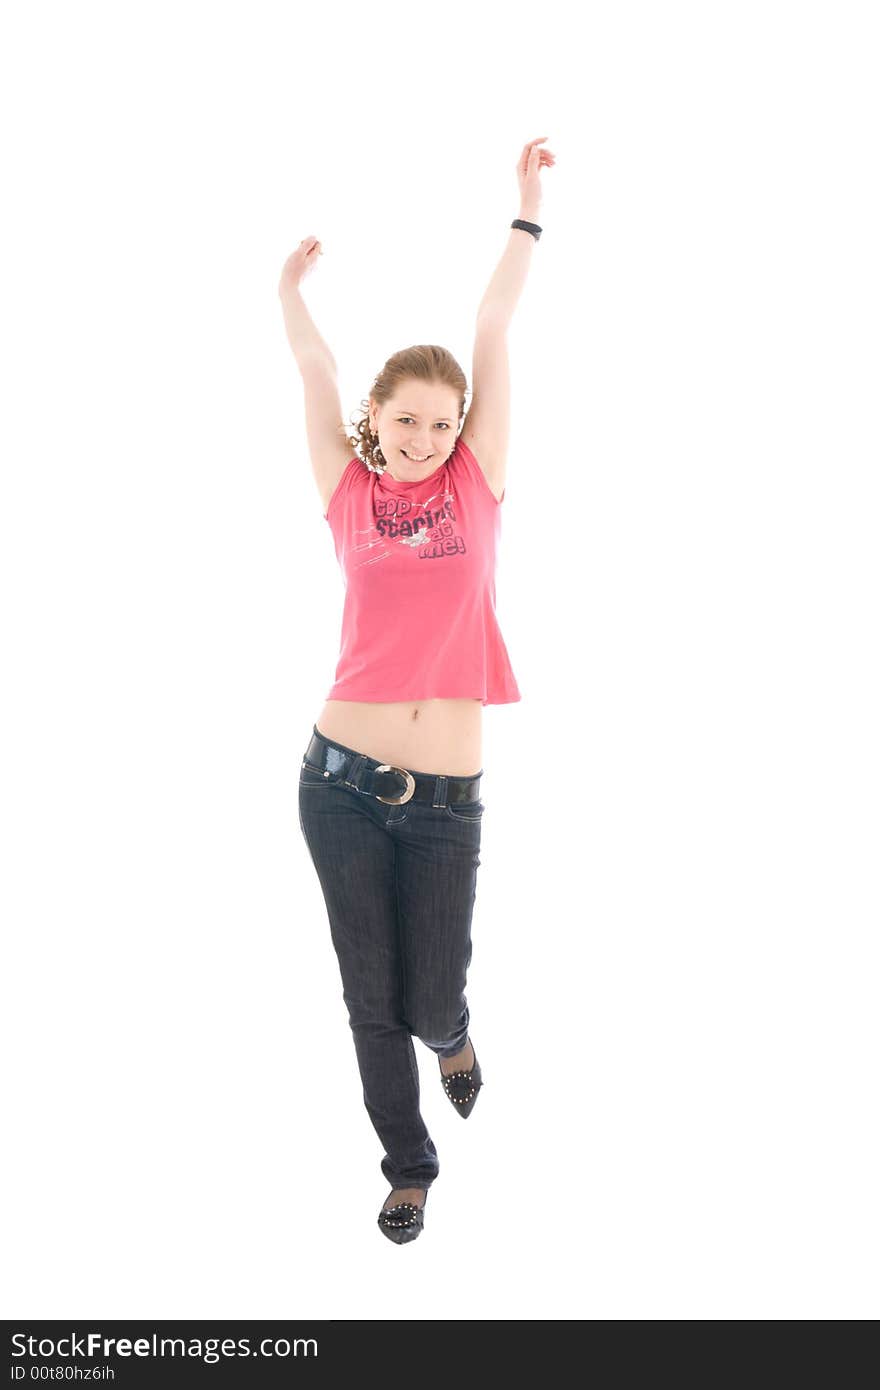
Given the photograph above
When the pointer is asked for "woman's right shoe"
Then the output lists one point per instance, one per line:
(463, 1087)
(404, 1221)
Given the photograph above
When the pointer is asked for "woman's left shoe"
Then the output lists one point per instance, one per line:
(462, 1087)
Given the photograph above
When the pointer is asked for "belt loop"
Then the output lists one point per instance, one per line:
(355, 768)
(440, 790)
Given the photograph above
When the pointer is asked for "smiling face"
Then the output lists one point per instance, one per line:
(417, 428)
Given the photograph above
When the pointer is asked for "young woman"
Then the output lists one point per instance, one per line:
(389, 787)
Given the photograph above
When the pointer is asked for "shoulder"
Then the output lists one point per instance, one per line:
(354, 474)
(465, 458)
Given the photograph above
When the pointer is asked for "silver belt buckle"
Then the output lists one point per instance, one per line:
(408, 791)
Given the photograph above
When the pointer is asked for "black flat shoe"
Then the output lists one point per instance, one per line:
(462, 1087)
(404, 1221)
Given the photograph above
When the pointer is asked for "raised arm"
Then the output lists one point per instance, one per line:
(505, 287)
(486, 429)
(305, 341)
(325, 428)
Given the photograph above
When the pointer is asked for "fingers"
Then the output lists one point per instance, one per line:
(545, 154)
(532, 148)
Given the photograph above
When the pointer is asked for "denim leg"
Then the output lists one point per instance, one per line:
(437, 865)
(355, 859)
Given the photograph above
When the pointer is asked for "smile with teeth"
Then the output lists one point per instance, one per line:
(413, 458)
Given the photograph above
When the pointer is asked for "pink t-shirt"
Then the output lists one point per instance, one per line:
(418, 561)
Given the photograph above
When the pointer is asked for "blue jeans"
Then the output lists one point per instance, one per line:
(399, 883)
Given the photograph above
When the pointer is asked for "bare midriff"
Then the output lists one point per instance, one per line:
(422, 735)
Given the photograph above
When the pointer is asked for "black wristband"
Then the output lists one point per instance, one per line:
(528, 227)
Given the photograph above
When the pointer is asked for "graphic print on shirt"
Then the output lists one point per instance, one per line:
(427, 527)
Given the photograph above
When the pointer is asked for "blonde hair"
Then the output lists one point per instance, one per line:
(425, 362)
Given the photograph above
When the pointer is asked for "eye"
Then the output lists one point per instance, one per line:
(402, 418)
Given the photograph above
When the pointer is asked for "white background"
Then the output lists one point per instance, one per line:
(674, 983)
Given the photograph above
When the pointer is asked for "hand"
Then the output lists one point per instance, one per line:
(299, 264)
(528, 169)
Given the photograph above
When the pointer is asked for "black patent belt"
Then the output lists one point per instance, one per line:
(388, 783)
